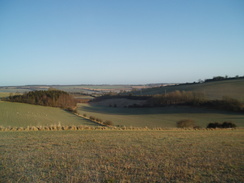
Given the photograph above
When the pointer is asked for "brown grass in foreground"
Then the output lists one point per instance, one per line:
(122, 156)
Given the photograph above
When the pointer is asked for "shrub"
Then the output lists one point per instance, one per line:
(228, 125)
(197, 127)
(72, 110)
(214, 125)
(108, 122)
(185, 123)
(92, 118)
(99, 120)
(221, 125)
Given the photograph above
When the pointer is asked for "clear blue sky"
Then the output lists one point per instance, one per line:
(119, 41)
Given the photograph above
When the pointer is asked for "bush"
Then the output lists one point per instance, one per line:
(185, 123)
(108, 122)
(228, 125)
(92, 118)
(197, 127)
(221, 125)
(72, 110)
(99, 120)
(214, 125)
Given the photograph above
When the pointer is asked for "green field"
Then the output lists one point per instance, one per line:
(122, 156)
(23, 115)
(165, 117)
(212, 90)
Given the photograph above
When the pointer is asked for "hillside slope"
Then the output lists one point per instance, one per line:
(212, 90)
(165, 117)
(23, 115)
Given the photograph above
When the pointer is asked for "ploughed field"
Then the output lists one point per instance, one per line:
(122, 156)
(164, 117)
(23, 115)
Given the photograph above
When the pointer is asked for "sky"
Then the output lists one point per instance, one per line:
(119, 41)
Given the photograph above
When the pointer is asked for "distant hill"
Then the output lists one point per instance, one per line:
(233, 88)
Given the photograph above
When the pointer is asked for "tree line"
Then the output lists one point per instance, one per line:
(221, 78)
(176, 98)
(194, 99)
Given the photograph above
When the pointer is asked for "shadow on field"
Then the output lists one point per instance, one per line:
(156, 110)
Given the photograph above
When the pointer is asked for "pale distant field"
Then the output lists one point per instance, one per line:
(13, 90)
(23, 115)
(165, 117)
(122, 156)
(4, 94)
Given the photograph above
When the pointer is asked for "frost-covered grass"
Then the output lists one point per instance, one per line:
(122, 156)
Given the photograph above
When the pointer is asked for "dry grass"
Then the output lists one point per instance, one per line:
(122, 156)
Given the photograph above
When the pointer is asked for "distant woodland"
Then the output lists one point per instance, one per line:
(195, 99)
(52, 98)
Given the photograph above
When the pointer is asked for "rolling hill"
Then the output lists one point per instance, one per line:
(164, 117)
(212, 90)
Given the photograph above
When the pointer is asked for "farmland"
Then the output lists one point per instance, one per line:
(211, 90)
(144, 145)
(22, 115)
(165, 117)
(122, 156)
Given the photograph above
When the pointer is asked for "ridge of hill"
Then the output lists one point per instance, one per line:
(212, 90)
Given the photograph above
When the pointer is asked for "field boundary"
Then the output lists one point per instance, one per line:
(109, 128)
(97, 122)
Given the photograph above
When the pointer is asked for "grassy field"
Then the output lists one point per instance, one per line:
(22, 115)
(165, 117)
(212, 90)
(4, 94)
(122, 156)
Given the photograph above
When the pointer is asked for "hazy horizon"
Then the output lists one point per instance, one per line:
(89, 84)
(119, 42)
(139, 84)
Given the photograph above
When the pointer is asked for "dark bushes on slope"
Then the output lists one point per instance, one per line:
(221, 125)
